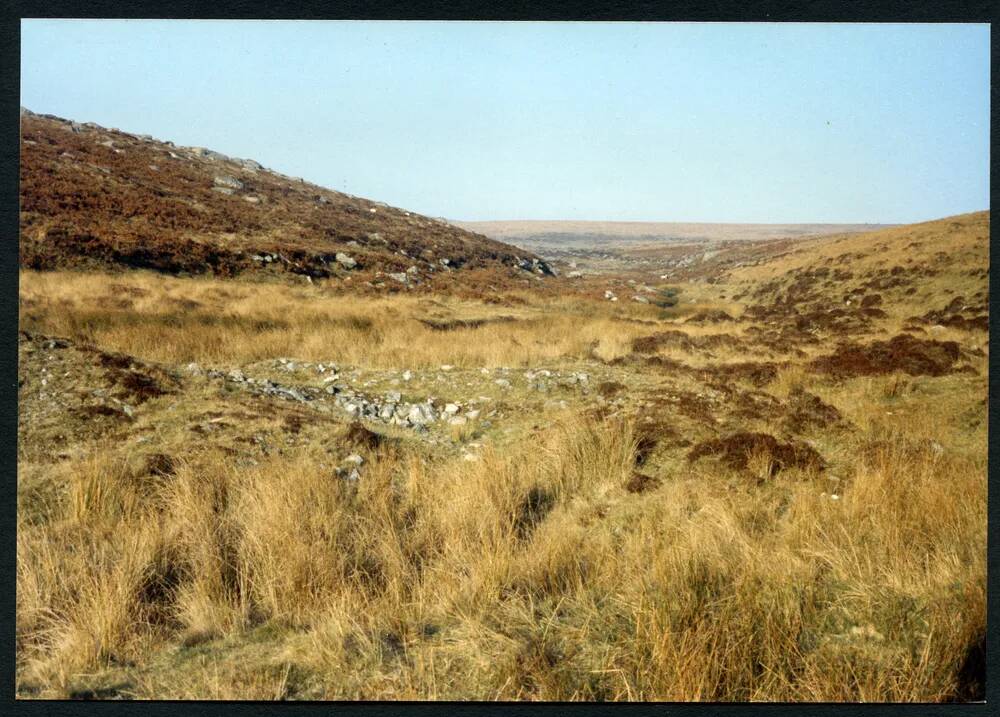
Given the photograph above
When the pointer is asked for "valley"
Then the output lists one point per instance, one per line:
(314, 447)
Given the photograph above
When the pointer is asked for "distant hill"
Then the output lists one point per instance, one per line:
(584, 234)
(93, 197)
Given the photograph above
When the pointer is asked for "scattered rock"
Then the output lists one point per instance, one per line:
(226, 181)
(346, 261)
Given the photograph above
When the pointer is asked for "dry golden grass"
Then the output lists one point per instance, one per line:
(217, 321)
(529, 574)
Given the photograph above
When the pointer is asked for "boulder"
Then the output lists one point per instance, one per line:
(346, 261)
(224, 180)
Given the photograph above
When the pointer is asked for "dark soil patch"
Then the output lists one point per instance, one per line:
(160, 464)
(709, 317)
(453, 324)
(102, 410)
(959, 314)
(118, 361)
(640, 483)
(680, 340)
(358, 436)
(809, 412)
(912, 355)
(755, 405)
(972, 674)
(293, 423)
(735, 451)
(608, 389)
(645, 444)
(536, 505)
(141, 386)
(758, 373)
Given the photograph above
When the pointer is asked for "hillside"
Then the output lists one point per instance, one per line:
(102, 198)
(902, 269)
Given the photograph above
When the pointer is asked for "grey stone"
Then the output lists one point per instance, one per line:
(346, 261)
(224, 180)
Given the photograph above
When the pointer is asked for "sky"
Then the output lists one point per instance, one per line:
(699, 122)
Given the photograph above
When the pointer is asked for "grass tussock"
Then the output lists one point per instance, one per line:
(531, 574)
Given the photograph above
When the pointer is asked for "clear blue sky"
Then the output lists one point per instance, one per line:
(613, 121)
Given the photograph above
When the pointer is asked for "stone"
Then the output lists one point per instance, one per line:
(355, 459)
(401, 277)
(502, 383)
(640, 299)
(451, 409)
(610, 296)
(420, 414)
(224, 180)
(346, 261)
(407, 375)
(473, 414)
(458, 421)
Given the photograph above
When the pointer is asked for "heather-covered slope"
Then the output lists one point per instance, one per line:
(94, 197)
